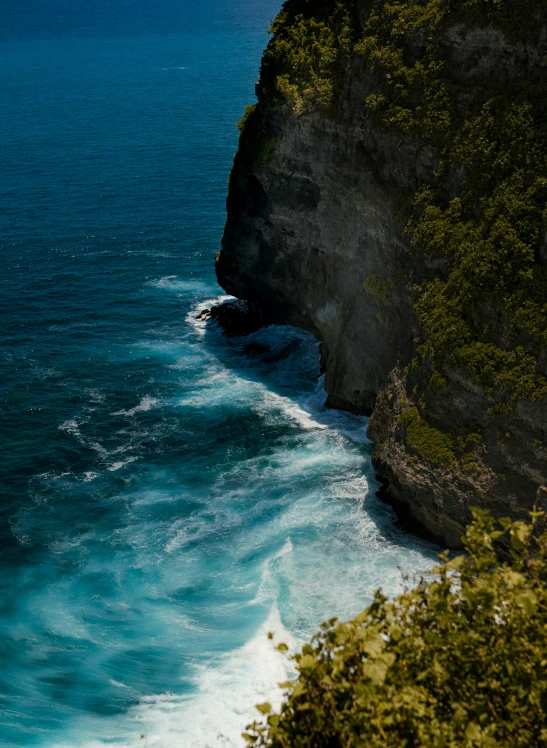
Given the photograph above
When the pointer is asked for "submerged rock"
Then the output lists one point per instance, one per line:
(235, 317)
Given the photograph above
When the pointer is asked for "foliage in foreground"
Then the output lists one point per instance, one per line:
(458, 661)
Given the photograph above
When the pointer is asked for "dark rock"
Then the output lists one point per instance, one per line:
(237, 317)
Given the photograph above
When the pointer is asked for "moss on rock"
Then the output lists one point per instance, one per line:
(430, 443)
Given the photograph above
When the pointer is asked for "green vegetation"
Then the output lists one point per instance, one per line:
(255, 143)
(441, 447)
(246, 114)
(380, 288)
(458, 661)
(309, 53)
(430, 443)
(485, 210)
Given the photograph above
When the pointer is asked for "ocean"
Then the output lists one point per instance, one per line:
(169, 495)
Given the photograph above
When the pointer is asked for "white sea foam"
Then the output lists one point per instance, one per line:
(289, 408)
(223, 704)
(96, 447)
(190, 530)
(220, 386)
(96, 397)
(199, 325)
(44, 372)
(120, 685)
(351, 426)
(72, 427)
(292, 527)
(173, 283)
(267, 588)
(122, 463)
(146, 403)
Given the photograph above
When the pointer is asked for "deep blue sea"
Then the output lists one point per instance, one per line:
(168, 495)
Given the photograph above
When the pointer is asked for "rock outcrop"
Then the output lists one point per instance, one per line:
(315, 238)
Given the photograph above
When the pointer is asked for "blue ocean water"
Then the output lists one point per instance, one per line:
(168, 495)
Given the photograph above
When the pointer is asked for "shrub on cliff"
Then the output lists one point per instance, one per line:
(458, 661)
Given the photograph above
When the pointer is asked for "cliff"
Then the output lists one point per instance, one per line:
(389, 195)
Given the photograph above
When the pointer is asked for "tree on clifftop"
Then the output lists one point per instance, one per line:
(458, 661)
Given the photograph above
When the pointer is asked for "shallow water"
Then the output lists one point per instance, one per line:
(169, 495)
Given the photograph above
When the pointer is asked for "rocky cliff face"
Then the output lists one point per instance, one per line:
(315, 238)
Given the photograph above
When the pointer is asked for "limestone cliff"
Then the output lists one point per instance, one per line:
(328, 229)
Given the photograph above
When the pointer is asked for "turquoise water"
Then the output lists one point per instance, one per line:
(168, 495)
